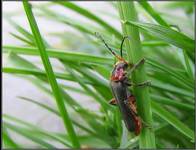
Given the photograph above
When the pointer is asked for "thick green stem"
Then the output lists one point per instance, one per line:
(134, 51)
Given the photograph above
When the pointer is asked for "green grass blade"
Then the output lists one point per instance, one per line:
(169, 102)
(187, 82)
(83, 113)
(127, 12)
(153, 43)
(124, 136)
(68, 56)
(28, 36)
(65, 20)
(132, 143)
(8, 142)
(175, 122)
(96, 96)
(39, 73)
(40, 105)
(153, 13)
(36, 73)
(91, 16)
(87, 116)
(28, 135)
(86, 58)
(52, 110)
(188, 66)
(91, 80)
(101, 85)
(36, 130)
(173, 89)
(22, 39)
(50, 75)
(17, 61)
(168, 35)
(187, 6)
(22, 31)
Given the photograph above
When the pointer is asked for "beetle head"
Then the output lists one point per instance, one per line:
(121, 65)
(119, 71)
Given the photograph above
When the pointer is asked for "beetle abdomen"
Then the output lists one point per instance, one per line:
(119, 90)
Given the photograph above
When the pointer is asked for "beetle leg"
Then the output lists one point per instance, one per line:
(142, 84)
(132, 104)
(145, 83)
(113, 101)
(145, 124)
(135, 66)
(129, 83)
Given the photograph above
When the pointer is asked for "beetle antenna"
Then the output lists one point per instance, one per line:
(100, 37)
(121, 46)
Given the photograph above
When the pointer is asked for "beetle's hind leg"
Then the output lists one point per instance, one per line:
(131, 104)
(133, 107)
(113, 101)
(145, 124)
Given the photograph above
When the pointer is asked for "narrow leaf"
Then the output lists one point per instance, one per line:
(168, 35)
(171, 119)
(50, 74)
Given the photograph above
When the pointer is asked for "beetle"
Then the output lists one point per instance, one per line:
(119, 83)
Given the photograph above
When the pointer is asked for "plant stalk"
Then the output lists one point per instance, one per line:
(50, 75)
(134, 51)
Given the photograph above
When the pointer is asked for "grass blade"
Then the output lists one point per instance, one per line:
(176, 123)
(28, 135)
(52, 110)
(127, 12)
(28, 36)
(91, 16)
(124, 136)
(186, 82)
(188, 66)
(7, 140)
(22, 39)
(96, 96)
(153, 13)
(168, 35)
(68, 56)
(36, 130)
(39, 73)
(169, 102)
(50, 75)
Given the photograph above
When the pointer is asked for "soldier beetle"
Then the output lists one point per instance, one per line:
(122, 96)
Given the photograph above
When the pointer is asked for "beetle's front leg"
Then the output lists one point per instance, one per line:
(135, 66)
(142, 84)
(145, 83)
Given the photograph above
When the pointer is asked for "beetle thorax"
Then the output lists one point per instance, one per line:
(118, 73)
